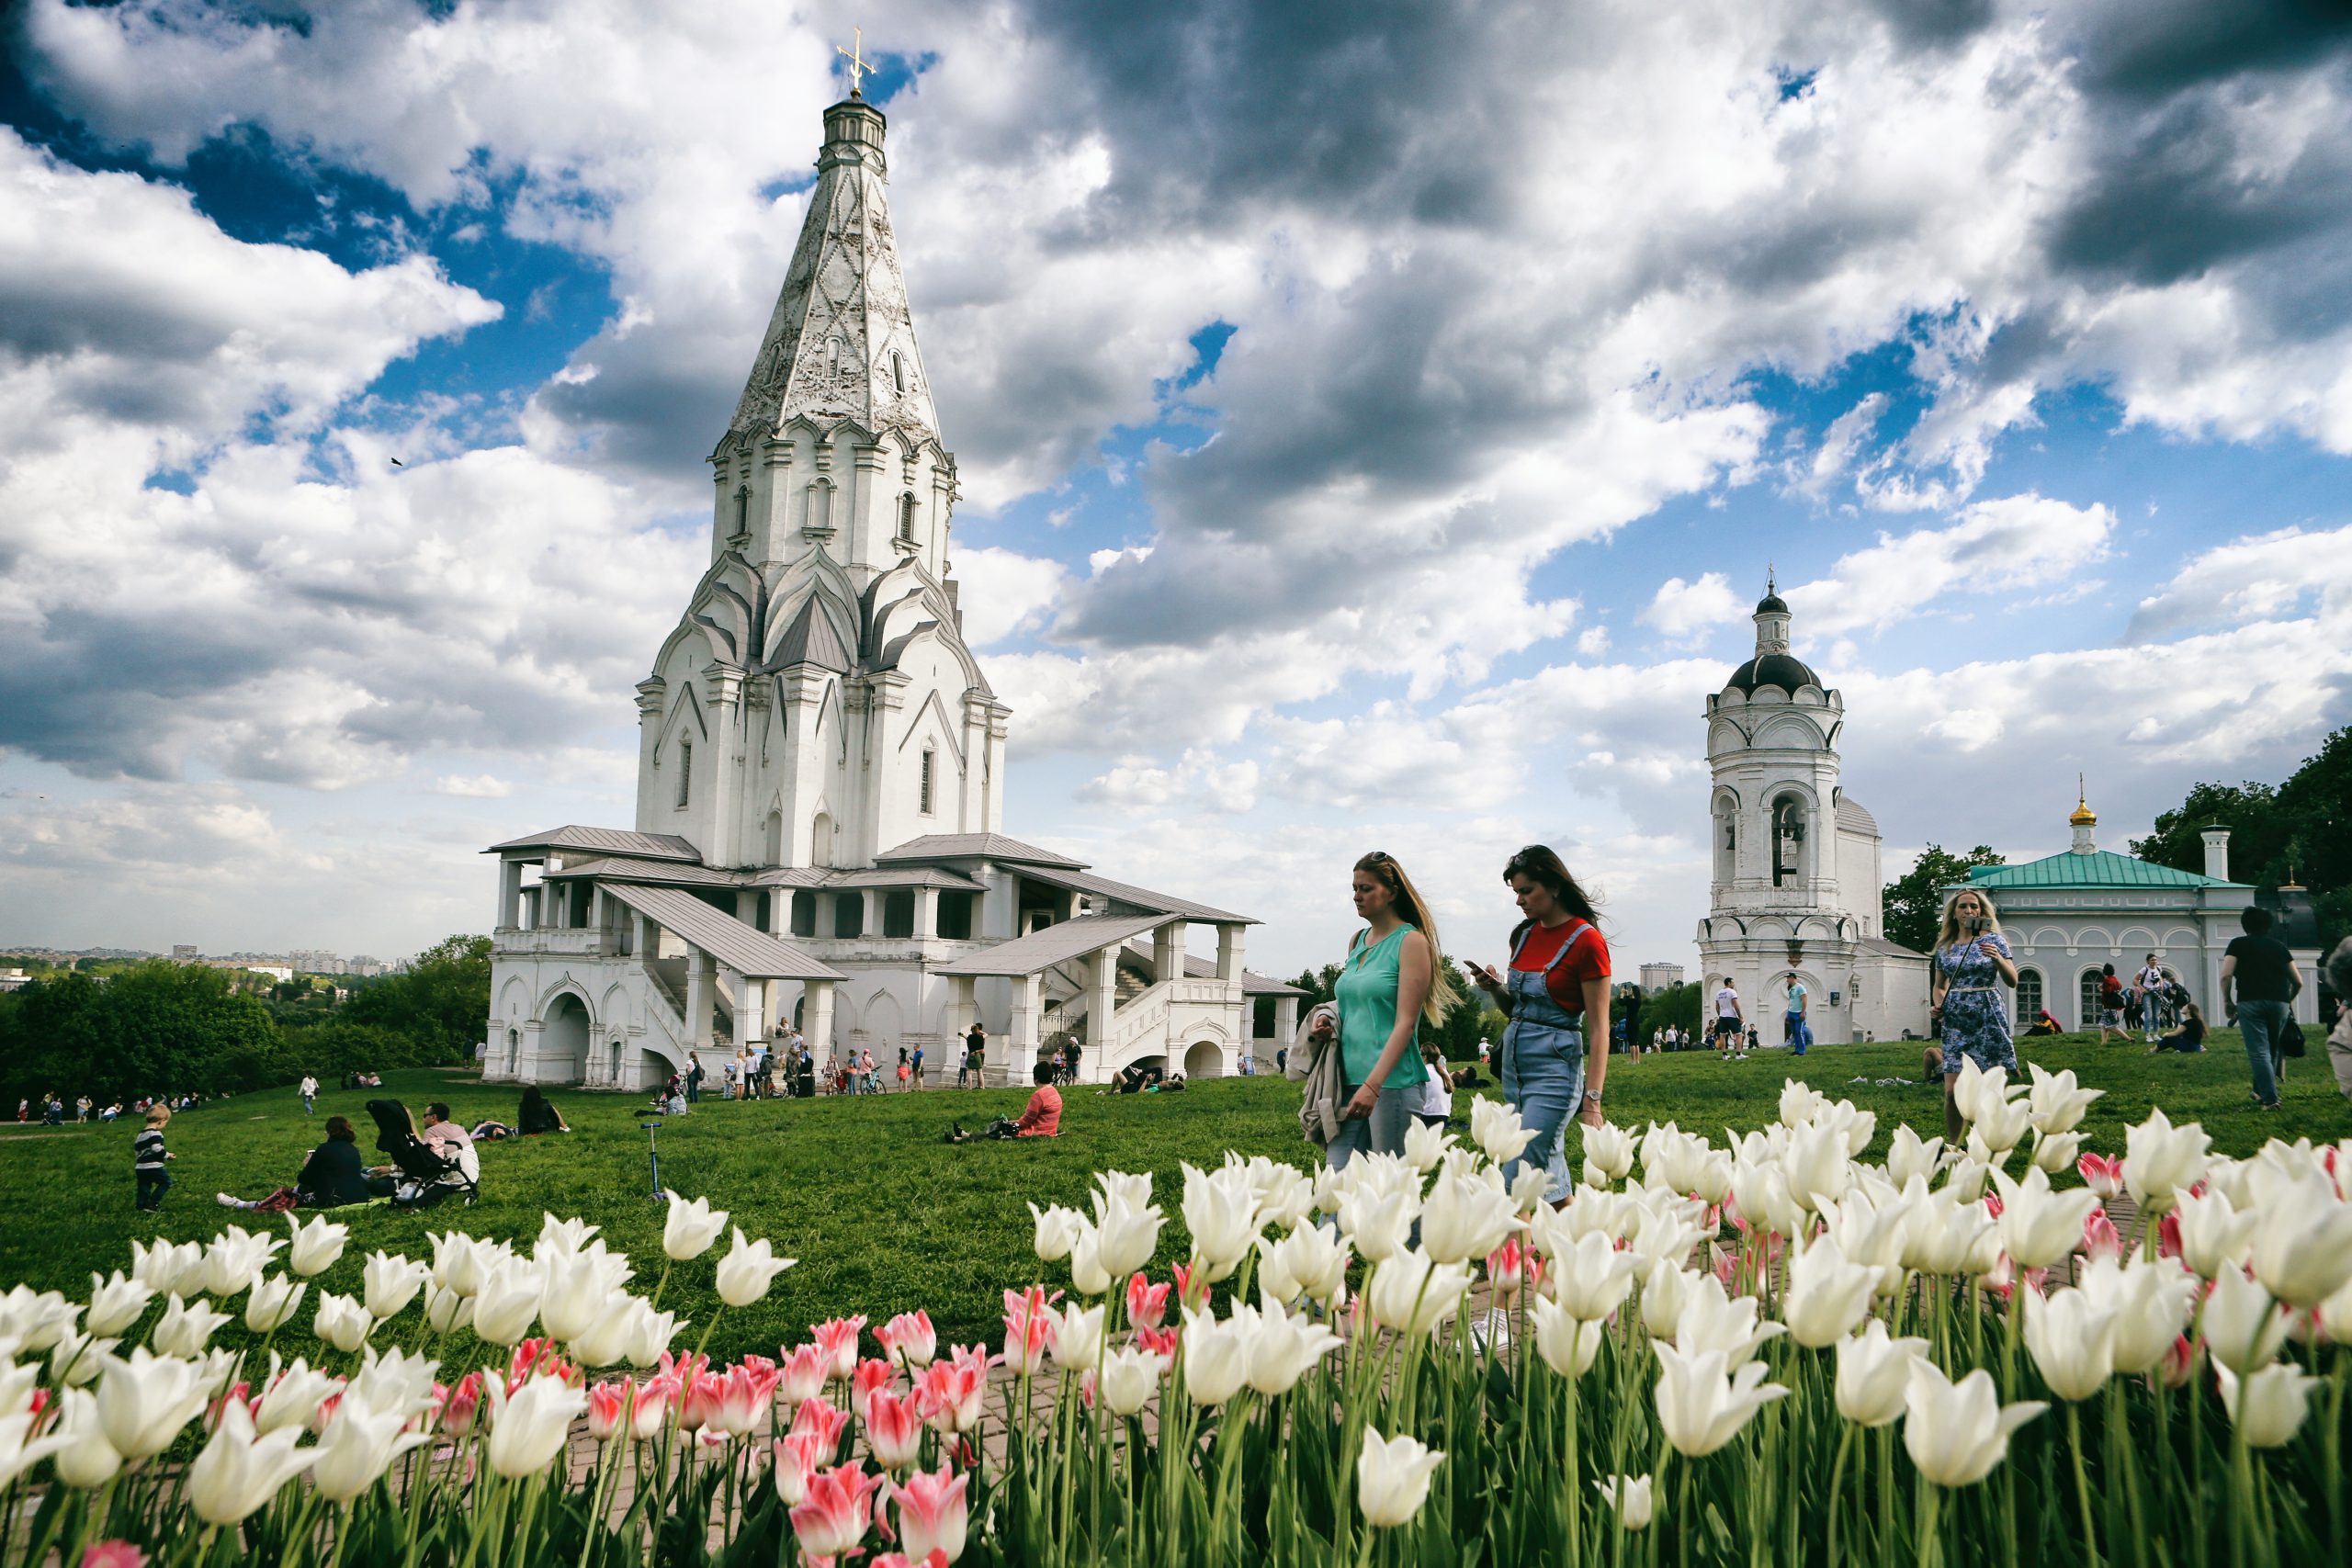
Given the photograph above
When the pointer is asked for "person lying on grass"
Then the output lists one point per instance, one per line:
(1041, 1118)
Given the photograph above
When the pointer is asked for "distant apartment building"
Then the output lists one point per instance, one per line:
(365, 963)
(314, 961)
(13, 979)
(1656, 978)
(183, 952)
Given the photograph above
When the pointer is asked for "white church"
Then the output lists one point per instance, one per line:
(821, 765)
(1796, 891)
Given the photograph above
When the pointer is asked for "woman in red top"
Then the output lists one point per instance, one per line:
(1555, 1052)
(1042, 1118)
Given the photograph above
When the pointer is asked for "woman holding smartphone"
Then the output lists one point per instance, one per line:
(1390, 982)
(1556, 1048)
(1972, 963)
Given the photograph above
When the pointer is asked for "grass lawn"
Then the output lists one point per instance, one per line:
(886, 1218)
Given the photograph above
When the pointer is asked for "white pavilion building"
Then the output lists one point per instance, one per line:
(822, 764)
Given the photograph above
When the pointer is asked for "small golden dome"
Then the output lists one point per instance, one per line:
(2083, 816)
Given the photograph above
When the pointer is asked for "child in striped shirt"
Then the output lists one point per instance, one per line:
(148, 1155)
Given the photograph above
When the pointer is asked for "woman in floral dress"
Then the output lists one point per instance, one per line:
(1971, 963)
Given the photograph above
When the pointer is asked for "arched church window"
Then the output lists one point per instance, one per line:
(685, 769)
(906, 518)
(820, 505)
(744, 509)
(898, 372)
(833, 356)
(925, 784)
(1788, 839)
(2028, 995)
(2087, 1002)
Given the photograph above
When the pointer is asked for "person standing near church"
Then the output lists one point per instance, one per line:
(1390, 982)
(2259, 984)
(975, 1055)
(1800, 1030)
(1730, 1022)
(1972, 959)
(1556, 1048)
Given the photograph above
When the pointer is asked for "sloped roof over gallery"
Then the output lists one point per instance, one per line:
(604, 841)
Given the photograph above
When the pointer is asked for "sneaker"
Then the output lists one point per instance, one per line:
(225, 1201)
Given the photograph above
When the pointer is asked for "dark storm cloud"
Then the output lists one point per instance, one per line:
(2151, 48)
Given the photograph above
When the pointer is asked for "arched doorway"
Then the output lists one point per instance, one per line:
(563, 1042)
(1203, 1059)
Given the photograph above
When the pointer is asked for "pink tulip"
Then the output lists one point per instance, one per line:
(699, 1405)
(933, 1515)
(900, 1560)
(893, 1430)
(798, 1460)
(324, 1415)
(607, 1404)
(536, 1358)
(2103, 1175)
(824, 1421)
(2168, 1235)
(683, 1368)
(1507, 1268)
(1159, 1341)
(1028, 1327)
(909, 1339)
(870, 1374)
(805, 1371)
(114, 1554)
(2180, 1362)
(653, 1400)
(461, 1406)
(746, 1400)
(839, 1338)
(1147, 1302)
(1191, 1286)
(952, 1392)
(833, 1519)
(2100, 1238)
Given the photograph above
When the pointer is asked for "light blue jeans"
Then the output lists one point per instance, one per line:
(1383, 1131)
(2261, 1024)
(1542, 1076)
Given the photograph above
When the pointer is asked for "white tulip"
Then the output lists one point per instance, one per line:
(389, 1380)
(1087, 1275)
(1664, 1233)
(2336, 1315)
(1967, 1178)
(1666, 1289)
(1221, 1212)
(1376, 1222)
(458, 1263)
(1703, 1401)
(2003, 1126)
(360, 1445)
(2214, 1237)
(75, 1360)
(2303, 1251)
(342, 1322)
(1816, 1167)
(1496, 1128)
(2055, 1153)
(527, 1427)
(84, 1460)
(1128, 1378)
(291, 1397)
(1875, 1374)
(611, 1333)
(445, 1311)
(1568, 1344)
(1979, 1093)
(1217, 1358)
(1125, 1233)
(2162, 1161)
(143, 1402)
(1311, 1262)
(314, 1246)
(1609, 1153)
(1714, 1320)
(693, 1227)
(1413, 1293)
(2039, 1227)
(1800, 1103)
(169, 1269)
(2072, 1340)
(1591, 1278)
(1631, 1498)
(1076, 1337)
(1826, 1296)
(2266, 1405)
(1857, 1125)
(236, 1258)
(1392, 1476)
(1425, 1145)
(1462, 1220)
(1710, 1175)
(559, 1236)
(239, 1472)
(1870, 1231)
(388, 1282)
(272, 1302)
(1907, 1156)
(116, 1302)
(1940, 1230)
(1760, 1193)
(19, 1451)
(2243, 1327)
(1956, 1432)
(508, 1301)
(573, 1293)
(2057, 1102)
(1280, 1349)
(746, 1271)
(2152, 1302)
(186, 1328)
(651, 1332)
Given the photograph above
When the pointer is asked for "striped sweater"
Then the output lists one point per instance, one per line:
(147, 1150)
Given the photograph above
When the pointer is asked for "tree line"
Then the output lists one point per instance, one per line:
(159, 1028)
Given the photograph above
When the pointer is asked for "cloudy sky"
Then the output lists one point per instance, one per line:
(1376, 421)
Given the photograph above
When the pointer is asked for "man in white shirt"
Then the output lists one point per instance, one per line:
(1730, 1022)
(309, 1093)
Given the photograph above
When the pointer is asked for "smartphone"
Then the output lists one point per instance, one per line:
(1977, 926)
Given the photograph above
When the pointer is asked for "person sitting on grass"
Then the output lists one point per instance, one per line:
(1042, 1118)
(333, 1177)
(538, 1114)
(2189, 1038)
(2045, 1025)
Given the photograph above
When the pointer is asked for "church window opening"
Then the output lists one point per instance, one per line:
(898, 912)
(906, 518)
(2088, 1017)
(744, 509)
(923, 786)
(955, 915)
(1788, 839)
(820, 514)
(898, 372)
(804, 912)
(685, 769)
(833, 356)
(849, 914)
(2028, 995)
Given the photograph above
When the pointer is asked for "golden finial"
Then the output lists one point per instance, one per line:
(2083, 814)
(859, 66)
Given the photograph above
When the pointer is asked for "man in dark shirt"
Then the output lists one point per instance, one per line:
(2259, 981)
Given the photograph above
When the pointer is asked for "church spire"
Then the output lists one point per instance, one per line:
(840, 342)
(2084, 820)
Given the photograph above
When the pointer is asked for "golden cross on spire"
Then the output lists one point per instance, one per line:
(858, 64)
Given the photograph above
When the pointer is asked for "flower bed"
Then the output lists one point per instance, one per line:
(1766, 1349)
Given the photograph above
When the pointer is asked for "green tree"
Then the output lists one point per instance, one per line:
(2300, 831)
(154, 1028)
(441, 1001)
(1915, 905)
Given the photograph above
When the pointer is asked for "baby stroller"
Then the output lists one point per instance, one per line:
(427, 1177)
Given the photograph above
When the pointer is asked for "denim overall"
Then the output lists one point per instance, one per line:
(1542, 1069)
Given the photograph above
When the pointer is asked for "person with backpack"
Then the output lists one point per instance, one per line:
(2110, 1005)
(2259, 984)
(1555, 1047)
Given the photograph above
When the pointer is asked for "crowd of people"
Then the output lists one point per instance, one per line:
(49, 1110)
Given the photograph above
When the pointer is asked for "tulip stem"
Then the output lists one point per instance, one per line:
(1930, 1549)
(2082, 1479)
(1838, 1486)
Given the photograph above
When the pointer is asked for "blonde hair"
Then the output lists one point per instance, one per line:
(1951, 932)
(158, 1115)
(1444, 995)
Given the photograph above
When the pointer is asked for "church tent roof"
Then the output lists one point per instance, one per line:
(609, 841)
(752, 953)
(976, 846)
(1140, 898)
(2100, 868)
(812, 639)
(1050, 945)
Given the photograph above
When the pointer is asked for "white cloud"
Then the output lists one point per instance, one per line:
(1003, 593)
(1687, 612)
(2265, 576)
(1199, 779)
(481, 786)
(2019, 544)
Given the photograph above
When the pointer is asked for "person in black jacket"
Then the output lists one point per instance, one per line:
(538, 1114)
(333, 1177)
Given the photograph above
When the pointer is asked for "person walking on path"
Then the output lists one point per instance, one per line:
(2259, 983)
(1730, 1022)
(1799, 1029)
(147, 1157)
(309, 1093)
(2110, 1004)
(1971, 961)
(1390, 982)
(1556, 1048)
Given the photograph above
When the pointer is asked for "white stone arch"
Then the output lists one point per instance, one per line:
(616, 1013)
(2138, 940)
(512, 997)
(822, 835)
(1787, 732)
(1204, 1058)
(560, 988)
(884, 1023)
(2179, 936)
(2048, 936)
(1772, 995)
(1725, 835)
(2095, 936)
(568, 1036)
(1725, 736)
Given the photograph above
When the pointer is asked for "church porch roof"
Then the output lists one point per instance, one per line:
(976, 846)
(1139, 898)
(1050, 945)
(607, 840)
(751, 953)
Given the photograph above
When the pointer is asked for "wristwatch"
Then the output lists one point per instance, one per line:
(1593, 1095)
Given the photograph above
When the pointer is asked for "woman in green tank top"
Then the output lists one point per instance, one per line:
(1389, 983)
